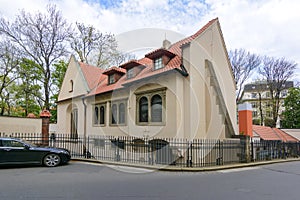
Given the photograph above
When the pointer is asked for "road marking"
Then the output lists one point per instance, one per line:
(122, 168)
(238, 169)
(130, 169)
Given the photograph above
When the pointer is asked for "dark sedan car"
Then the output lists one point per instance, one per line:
(16, 151)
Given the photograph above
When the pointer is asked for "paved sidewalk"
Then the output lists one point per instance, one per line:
(189, 169)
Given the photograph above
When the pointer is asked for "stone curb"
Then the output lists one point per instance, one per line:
(187, 169)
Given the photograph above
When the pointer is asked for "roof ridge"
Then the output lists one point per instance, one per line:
(204, 28)
(278, 134)
(286, 134)
(187, 39)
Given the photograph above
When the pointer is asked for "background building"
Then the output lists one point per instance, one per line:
(258, 95)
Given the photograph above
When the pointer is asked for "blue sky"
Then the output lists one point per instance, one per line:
(267, 27)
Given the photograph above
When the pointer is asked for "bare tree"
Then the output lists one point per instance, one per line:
(243, 65)
(276, 71)
(9, 61)
(259, 87)
(83, 41)
(96, 48)
(40, 37)
(92, 46)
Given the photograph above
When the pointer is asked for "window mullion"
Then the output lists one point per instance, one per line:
(149, 109)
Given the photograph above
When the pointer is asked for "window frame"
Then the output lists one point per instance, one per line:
(130, 73)
(158, 63)
(71, 86)
(111, 79)
(99, 119)
(148, 95)
(117, 117)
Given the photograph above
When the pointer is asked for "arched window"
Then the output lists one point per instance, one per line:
(121, 113)
(114, 114)
(156, 108)
(102, 115)
(71, 86)
(96, 118)
(143, 109)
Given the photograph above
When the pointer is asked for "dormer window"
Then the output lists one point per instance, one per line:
(111, 79)
(114, 74)
(158, 63)
(133, 68)
(160, 57)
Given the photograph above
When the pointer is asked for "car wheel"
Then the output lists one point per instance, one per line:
(51, 160)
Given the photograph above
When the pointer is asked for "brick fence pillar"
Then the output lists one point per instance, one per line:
(45, 116)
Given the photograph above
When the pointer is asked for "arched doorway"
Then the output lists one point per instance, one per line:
(74, 124)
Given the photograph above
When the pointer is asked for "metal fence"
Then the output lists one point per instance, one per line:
(270, 150)
(175, 152)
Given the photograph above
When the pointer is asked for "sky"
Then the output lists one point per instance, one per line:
(265, 27)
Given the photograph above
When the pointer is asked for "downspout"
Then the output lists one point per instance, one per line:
(182, 71)
(84, 128)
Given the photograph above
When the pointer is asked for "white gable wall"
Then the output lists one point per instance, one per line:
(73, 74)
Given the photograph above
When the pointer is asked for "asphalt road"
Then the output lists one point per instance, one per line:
(87, 182)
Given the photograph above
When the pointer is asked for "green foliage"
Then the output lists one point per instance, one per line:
(270, 122)
(58, 75)
(256, 121)
(28, 93)
(291, 115)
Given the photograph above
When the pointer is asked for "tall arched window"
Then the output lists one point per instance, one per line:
(114, 114)
(102, 115)
(143, 109)
(121, 113)
(156, 108)
(96, 118)
(74, 123)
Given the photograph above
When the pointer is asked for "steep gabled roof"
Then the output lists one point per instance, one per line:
(174, 52)
(91, 74)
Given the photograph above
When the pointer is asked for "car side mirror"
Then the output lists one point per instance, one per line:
(26, 146)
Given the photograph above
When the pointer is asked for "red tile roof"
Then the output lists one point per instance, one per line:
(130, 64)
(159, 52)
(93, 75)
(114, 69)
(101, 81)
(285, 137)
(268, 133)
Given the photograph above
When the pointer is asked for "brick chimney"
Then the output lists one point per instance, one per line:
(245, 119)
(45, 115)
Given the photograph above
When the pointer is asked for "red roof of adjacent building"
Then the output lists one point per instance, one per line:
(97, 79)
(268, 133)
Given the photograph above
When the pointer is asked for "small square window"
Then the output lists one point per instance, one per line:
(158, 63)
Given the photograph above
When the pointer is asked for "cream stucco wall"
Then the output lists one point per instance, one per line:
(173, 123)
(11, 125)
(206, 114)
